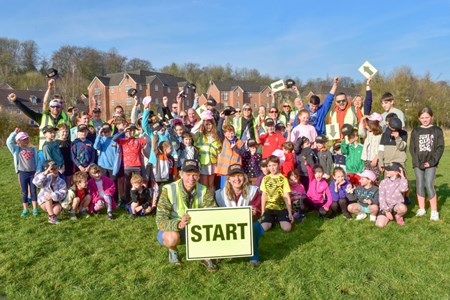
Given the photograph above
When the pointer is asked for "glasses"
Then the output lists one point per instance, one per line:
(341, 101)
(55, 106)
(247, 109)
(238, 110)
(287, 106)
(273, 111)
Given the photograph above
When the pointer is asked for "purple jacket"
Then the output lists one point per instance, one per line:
(341, 193)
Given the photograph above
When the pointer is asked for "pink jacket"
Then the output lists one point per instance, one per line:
(109, 189)
(317, 190)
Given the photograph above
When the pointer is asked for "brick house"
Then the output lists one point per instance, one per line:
(111, 89)
(32, 99)
(237, 93)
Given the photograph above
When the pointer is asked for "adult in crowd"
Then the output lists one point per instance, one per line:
(273, 114)
(164, 112)
(192, 119)
(245, 126)
(285, 114)
(317, 111)
(239, 192)
(175, 109)
(53, 117)
(175, 199)
(363, 107)
(262, 115)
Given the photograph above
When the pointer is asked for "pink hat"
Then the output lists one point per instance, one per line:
(280, 154)
(375, 117)
(21, 136)
(207, 115)
(146, 101)
(368, 174)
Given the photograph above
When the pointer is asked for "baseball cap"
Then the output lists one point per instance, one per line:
(96, 110)
(48, 128)
(229, 111)
(207, 115)
(82, 127)
(211, 102)
(375, 117)
(190, 165)
(368, 174)
(48, 163)
(346, 129)
(269, 122)
(236, 168)
(131, 127)
(54, 102)
(106, 126)
(21, 136)
(251, 143)
(395, 124)
(321, 139)
(279, 126)
(395, 166)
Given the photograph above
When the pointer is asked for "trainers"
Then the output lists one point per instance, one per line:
(72, 214)
(110, 216)
(24, 213)
(348, 217)
(173, 258)
(399, 220)
(361, 216)
(373, 218)
(35, 212)
(421, 212)
(210, 265)
(254, 263)
(53, 220)
(434, 216)
(133, 217)
(84, 214)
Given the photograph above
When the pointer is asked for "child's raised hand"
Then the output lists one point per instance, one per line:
(17, 130)
(402, 173)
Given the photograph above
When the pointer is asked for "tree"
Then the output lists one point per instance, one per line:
(29, 56)
(137, 63)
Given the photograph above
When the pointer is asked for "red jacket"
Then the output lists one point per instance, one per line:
(288, 164)
(271, 143)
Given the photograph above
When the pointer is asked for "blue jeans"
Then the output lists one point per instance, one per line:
(258, 231)
(26, 179)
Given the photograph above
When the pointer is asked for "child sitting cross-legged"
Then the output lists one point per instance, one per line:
(367, 196)
(102, 191)
(391, 197)
(79, 197)
(141, 198)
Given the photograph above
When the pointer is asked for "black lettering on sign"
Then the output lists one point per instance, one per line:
(231, 230)
(197, 235)
(218, 232)
(208, 231)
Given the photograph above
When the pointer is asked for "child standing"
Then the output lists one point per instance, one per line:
(275, 199)
(370, 129)
(304, 129)
(427, 147)
(250, 162)
(392, 146)
(391, 197)
(102, 191)
(26, 162)
(367, 196)
(289, 160)
(107, 156)
(187, 149)
(338, 189)
(353, 150)
(65, 146)
(304, 155)
(387, 102)
(82, 151)
(50, 148)
(141, 198)
(324, 156)
(297, 194)
(271, 140)
(53, 190)
(338, 158)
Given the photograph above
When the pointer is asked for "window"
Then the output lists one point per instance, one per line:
(169, 90)
(129, 102)
(97, 91)
(112, 90)
(238, 94)
(113, 102)
(140, 87)
(156, 101)
(225, 96)
(238, 104)
(254, 105)
(267, 95)
(127, 87)
(156, 87)
(33, 99)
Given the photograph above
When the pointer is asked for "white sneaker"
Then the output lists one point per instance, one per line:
(373, 218)
(421, 212)
(434, 216)
(361, 216)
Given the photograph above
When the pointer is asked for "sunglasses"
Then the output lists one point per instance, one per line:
(341, 101)
(55, 106)
(286, 106)
(247, 109)
(238, 110)
(273, 111)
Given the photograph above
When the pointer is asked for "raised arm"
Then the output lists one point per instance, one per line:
(368, 100)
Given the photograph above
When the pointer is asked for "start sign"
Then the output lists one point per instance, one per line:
(219, 233)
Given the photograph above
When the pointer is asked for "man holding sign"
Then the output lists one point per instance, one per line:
(176, 198)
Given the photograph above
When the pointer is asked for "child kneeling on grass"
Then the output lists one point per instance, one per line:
(391, 197)
(367, 196)
(141, 198)
(275, 199)
(102, 191)
(78, 198)
(53, 190)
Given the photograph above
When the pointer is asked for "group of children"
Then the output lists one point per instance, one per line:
(293, 167)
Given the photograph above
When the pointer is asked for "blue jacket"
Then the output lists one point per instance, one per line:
(317, 119)
(108, 153)
(15, 149)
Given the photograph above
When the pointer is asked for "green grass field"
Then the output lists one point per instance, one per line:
(98, 259)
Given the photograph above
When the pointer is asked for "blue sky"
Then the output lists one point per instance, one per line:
(307, 39)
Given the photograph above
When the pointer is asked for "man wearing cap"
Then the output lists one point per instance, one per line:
(271, 140)
(163, 112)
(53, 117)
(175, 199)
(245, 126)
(96, 119)
(238, 192)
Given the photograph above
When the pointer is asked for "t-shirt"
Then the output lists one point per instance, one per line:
(396, 111)
(275, 186)
(132, 148)
(26, 161)
(271, 142)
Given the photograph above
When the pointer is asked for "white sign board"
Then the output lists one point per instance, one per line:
(219, 233)
(277, 86)
(332, 131)
(367, 69)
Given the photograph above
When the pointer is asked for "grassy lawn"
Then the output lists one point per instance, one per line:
(97, 259)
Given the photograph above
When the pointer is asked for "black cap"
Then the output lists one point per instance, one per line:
(229, 111)
(289, 83)
(82, 127)
(130, 127)
(132, 92)
(395, 124)
(279, 126)
(106, 126)
(52, 73)
(48, 163)
(395, 166)
(251, 143)
(190, 165)
(269, 122)
(236, 168)
(156, 126)
(321, 139)
(211, 102)
(193, 87)
(346, 129)
(48, 128)
(97, 109)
